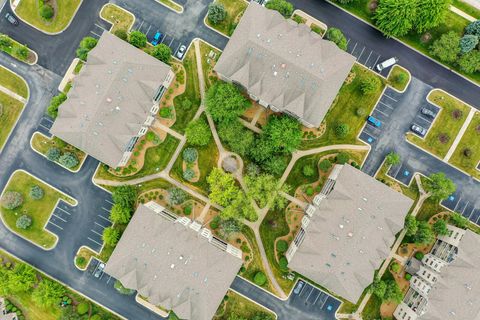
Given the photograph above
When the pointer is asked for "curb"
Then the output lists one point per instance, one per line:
(43, 31)
(89, 260)
(408, 82)
(255, 302)
(72, 171)
(167, 6)
(212, 28)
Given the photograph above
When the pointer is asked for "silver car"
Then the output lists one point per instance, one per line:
(419, 130)
(299, 287)
(428, 112)
(181, 51)
(99, 271)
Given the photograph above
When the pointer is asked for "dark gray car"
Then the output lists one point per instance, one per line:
(428, 112)
(11, 18)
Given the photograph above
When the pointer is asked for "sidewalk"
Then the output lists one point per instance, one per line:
(13, 94)
(463, 14)
(460, 134)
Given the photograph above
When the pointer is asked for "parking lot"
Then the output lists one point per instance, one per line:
(364, 55)
(402, 172)
(314, 301)
(165, 38)
(464, 206)
(60, 218)
(425, 121)
(100, 222)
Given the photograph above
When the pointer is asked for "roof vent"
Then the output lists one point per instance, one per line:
(124, 79)
(258, 35)
(365, 199)
(340, 226)
(95, 133)
(275, 73)
(361, 251)
(181, 257)
(269, 40)
(283, 65)
(115, 61)
(172, 266)
(360, 209)
(117, 108)
(350, 234)
(109, 100)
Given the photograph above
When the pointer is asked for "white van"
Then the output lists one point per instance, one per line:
(387, 63)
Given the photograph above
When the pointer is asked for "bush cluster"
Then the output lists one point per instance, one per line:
(11, 200)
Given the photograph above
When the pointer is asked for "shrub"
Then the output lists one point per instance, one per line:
(176, 196)
(188, 210)
(5, 41)
(190, 155)
(110, 236)
(467, 152)
(308, 171)
(341, 130)
(122, 34)
(80, 261)
(309, 191)
(82, 308)
(214, 224)
(163, 53)
(55, 102)
(395, 267)
(188, 174)
(470, 62)
(282, 246)
(361, 112)
(11, 200)
(23, 222)
(283, 263)
(260, 278)
(325, 165)
(53, 154)
(46, 11)
(473, 28)
(21, 52)
(419, 255)
(198, 133)
(166, 112)
(68, 160)
(335, 35)
(447, 48)
(216, 12)
(408, 276)
(137, 39)
(284, 7)
(443, 138)
(343, 157)
(370, 85)
(36, 192)
(457, 114)
(468, 43)
(150, 136)
(186, 103)
(88, 43)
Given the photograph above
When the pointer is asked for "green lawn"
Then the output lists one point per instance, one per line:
(171, 4)
(442, 133)
(207, 160)
(470, 140)
(398, 78)
(237, 305)
(207, 66)
(192, 93)
(28, 10)
(156, 159)
(120, 18)
(372, 309)
(13, 82)
(38, 210)
(42, 143)
(235, 9)
(343, 110)
(13, 50)
(10, 110)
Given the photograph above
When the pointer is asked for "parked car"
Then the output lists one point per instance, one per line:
(99, 270)
(181, 51)
(374, 121)
(156, 38)
(418, 129)
(428, 112)
(11, 18)
(299, 287)
(387, 63)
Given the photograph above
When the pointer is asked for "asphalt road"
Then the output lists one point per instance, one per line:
(421, 67)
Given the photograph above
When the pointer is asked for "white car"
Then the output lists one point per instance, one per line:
(387, 63)
(181, 51)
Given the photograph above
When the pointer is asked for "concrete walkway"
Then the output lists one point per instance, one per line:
(461, 13)
(13, 94)
(460, 134)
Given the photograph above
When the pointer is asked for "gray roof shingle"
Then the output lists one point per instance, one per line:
(284, 63)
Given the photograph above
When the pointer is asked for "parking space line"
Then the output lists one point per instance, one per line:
(358, 59)
(310, 290)
(98, 224)
(48, 120)
(96, 232)
(41, 125)
(106, 209)
(476, 222)
(53, 214)
(310, 294)
(171, 42)
(426, 120)
(354, 48)
(141, 24)
(366, 61)
(468, 202)
(471, 212)
(386, 105)
(378, 110)
(386, 95)
(148, 30)
(64, 211)
(108, 201)
(94, 241)
(458, 202)
(376, 61)
(176, 50)
(318, 297)
(95, 34)
(50, 222)
(109, 278)
(103, 218)
(301, 290)
(323, 302)
(100, 27)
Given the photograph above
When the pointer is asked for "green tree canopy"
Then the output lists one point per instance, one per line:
(283, 133)
(470, 61)
(198, 133)
(48, 293)
(395, 17)
(238, 138)
(411, 225)
(440, 227)
(216, 12)
(125, 196)
(439, 186)
(392, 159)
(430, 13)
(447, 48)
(458, 220)
(222, 187)
(284, 7)
(336, 36)
(424, 233)
(225, 102)
(110, 236)
(137, 39)
(468, 42)
(392, 292)
(119, 214)
(473, 28)
(162, 52)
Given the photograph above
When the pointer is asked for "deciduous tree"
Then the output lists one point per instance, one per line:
(216, 12)
(198, 133)
(447, 48)
(336, 36)
(430, 13)
(162, 52)
(225, 102)
(284, 7)
(119, 214)
(137, 39)
(48, 293)
(395, 17)
(439, 186)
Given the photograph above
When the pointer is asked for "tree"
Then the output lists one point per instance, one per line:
(275, 165)
(23, 222)
(447, 48)
(370, 85)
(325, 165)
(125, 196)
(336, 36)
(82, 53)
(458, 220)
(110, 236)
(430, 13)
(282, 246)
(53, 154)
(55, 102)
(229, 226)
(222, 187)
(176, 196)
(440, 227)
(162, 52)
(262, 188)
(378, 288)
(122, 34)
(284, 7)
(216, 12)
(392, 159)
(225, 102)
(473, 28)
(236, 136)
(11, 200)
(119, 214)
(88, 43)
(83, 308)
(411, 225)
(5, 41)
(68, 160)
(21, 52)
(260, 278)
(308, 170)
(342, 130)
(48, 293)
(46, 11)
(188, 174)
(137, 39)
(262, 150)
(470, 61)
(424, 233)
(240, 207)
(283, 133)
(395, 18)
(439, 186)
(190, 155)
(392, 292)
(198, 133)
(343, 157)
(21, 278)
(36, 192)
(468, 42)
